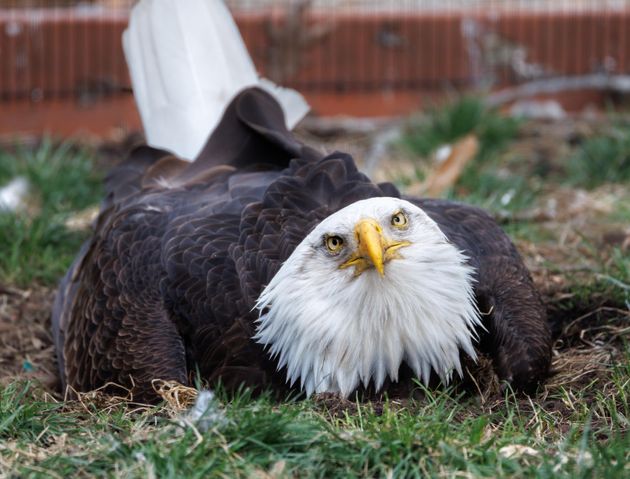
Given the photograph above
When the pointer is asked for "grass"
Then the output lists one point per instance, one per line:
(575, 426)
(502, 195)
(37, 247)
(611, 281)
(442, 435)
(602, 159)
(465, 115)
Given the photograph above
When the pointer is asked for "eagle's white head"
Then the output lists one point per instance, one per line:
(375, 284)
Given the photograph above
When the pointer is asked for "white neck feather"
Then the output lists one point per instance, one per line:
(334, 330)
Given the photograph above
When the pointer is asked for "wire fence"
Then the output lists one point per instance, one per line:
(71, 50)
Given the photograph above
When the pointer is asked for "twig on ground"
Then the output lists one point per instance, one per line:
(595, 81)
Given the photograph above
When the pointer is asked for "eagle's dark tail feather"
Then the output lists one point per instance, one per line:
(251, 134)
(252, 130)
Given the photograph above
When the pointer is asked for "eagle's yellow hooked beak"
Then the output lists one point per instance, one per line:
(373, 248)
(369, 236)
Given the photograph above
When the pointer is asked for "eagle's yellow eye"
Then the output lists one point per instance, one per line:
(399, 220)
(334, 243)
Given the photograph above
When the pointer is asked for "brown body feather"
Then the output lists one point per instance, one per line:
(167, 285)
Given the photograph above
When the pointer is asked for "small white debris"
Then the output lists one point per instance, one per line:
(562, 461)
(14, 195)
(585, 459)
(508, 197)
(515, 451)
(150, 468)
(442, 153)
(538, 110)
(82, 220)
(206, 413)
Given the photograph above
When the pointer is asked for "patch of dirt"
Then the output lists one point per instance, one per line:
(26, 345)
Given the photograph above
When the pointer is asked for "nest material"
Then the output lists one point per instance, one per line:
(177, 396)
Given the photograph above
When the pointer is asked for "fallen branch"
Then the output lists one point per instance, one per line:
(446, 173)
(595, 81)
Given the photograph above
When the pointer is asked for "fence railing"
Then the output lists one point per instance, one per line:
(347, 56)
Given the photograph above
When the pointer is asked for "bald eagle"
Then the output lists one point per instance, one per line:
(267, 264)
